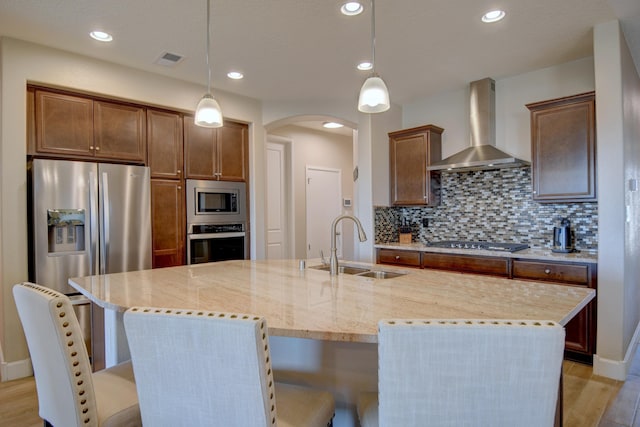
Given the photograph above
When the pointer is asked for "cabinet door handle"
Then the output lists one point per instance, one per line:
(97, 148)
(547, 271)
(91, 147)
(397, 256)
(178, 171)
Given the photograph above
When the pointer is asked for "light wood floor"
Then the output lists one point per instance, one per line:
(589, 400)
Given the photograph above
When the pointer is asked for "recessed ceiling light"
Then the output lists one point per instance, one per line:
(101, 36)
(351, 8)
(332, 125)
(493, 16)
(235, 75)
(365, 66)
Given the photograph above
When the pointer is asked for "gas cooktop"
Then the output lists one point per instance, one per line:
(487, 246)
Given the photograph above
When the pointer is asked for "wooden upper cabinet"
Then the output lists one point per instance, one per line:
(232, 151)
(31, 120)
(119, 131)
(73, 126)
(164, 144)
(220, 153)
(64, 124)
(410, 152)
(563, 149)
(199, 150)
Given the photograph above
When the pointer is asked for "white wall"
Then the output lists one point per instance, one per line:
(372, 186)
(618, 133)
(323, 149)
(23, 62)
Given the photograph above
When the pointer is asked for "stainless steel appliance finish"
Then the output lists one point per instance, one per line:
(482, 154)
(216, 202)
(488, 246)
(88, 218)
(562, 237)
(216, 242)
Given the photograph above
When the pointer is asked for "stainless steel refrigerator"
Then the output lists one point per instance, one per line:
(88, 218)
(85, 219)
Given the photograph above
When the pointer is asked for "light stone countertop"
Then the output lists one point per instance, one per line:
(532, 254)
(309, 303)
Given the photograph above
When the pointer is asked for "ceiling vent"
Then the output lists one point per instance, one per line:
(169, 59)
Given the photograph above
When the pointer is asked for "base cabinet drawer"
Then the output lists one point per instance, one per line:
(398, 257)
(494, 266)
(568, 273)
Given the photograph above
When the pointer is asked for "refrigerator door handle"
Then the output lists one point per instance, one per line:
(106, 206)
(93, 224)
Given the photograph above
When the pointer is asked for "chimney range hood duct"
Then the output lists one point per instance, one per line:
(482, 154)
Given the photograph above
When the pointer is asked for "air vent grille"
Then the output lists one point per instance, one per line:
(169, 59)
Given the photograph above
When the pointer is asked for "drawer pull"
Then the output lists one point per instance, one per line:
(397, 256)
(547, 271)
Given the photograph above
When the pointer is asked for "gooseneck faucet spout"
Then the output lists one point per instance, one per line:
(333, 259)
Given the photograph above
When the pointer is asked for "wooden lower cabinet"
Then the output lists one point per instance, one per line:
(494, 266)
(168, 227)
(398, 257)
(580, 341)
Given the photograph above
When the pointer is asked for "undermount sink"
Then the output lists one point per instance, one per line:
(343, 269)
(361, 271)
(381, 274)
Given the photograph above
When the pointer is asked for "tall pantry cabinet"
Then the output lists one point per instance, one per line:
(165, 148)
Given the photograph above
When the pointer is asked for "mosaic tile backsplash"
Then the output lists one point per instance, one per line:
(490, 206)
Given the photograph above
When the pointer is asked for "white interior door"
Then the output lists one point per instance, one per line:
(323, 205)
(277, 238)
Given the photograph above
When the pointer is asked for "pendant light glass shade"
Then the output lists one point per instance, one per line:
(208, 112)
(374, 96)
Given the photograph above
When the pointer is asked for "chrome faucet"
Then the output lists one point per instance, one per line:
(333, 259)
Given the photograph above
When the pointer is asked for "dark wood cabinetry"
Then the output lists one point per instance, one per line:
(164, 144)
(396, 257)
(74, 126)
(410, 152)
(167, 223)
(580, 341)
(219, 153)
(563, 149)
(581, 330)
(165, 147)
(494, 266)
(119, 131)
(64, 124)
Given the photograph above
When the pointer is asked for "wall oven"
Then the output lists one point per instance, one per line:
(216, 221)
(216, 242)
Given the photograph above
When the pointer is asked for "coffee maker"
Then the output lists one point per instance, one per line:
(562, 239)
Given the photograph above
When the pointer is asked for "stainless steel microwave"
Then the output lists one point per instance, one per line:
(216, 202)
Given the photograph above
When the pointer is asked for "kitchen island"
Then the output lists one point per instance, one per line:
(324, 329)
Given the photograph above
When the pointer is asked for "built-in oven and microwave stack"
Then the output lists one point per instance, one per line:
(85, 219)
(216, 221)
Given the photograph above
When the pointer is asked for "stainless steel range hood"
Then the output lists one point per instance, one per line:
(482, 154)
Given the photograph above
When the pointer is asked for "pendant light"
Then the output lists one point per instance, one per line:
(208, 112)
(374, 95)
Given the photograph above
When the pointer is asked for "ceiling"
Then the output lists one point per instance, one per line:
(305, 50)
